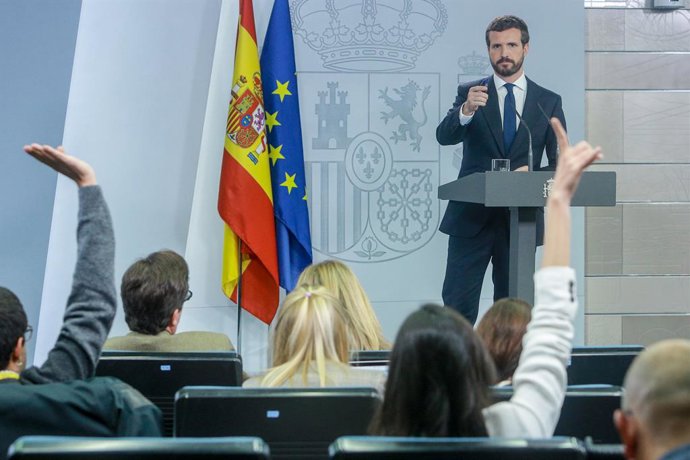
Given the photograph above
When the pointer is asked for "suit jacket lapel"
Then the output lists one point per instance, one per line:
(492, 115)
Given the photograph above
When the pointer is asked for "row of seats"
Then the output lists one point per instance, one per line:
(344, 448)
(160, 375)
(588, 365)
(303, 422)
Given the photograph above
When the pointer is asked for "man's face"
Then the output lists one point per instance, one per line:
(506, 52)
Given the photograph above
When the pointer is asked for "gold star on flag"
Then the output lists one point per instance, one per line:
(272, 120)
(305, 196)
(274, 153)
(289, 182)
(282, 90)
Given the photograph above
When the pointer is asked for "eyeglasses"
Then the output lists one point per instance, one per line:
(28, 333)
(189, 295)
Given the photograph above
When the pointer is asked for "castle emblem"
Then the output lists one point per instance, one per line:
(332, 119)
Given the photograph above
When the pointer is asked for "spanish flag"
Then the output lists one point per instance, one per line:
(245, 198)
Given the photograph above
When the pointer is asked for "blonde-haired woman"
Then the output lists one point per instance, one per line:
(310, 345)
(363, 326)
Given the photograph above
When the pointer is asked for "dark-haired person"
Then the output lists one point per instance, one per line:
(153, 291)
(478, 119)
(92, 301)
(439, 369)
(501, 329)
(54, 398)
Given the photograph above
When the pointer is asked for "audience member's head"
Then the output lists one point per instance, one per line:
(655, 414)
(438, 378)
(13, 326)
(364, 328)
(502, 329)
(309, 331)
(153, 290)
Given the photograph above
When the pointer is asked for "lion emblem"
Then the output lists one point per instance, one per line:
(404, 108)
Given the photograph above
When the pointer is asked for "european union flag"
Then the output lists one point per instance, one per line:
(285, 152)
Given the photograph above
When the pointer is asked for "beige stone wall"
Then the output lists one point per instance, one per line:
(638, 108)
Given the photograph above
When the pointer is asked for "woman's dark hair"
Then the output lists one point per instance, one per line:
(502, 329)
(438, 378)
(13, 324)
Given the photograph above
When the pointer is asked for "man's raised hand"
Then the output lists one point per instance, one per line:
(78, 170)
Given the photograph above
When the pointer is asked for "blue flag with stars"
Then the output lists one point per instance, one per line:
(285, 152)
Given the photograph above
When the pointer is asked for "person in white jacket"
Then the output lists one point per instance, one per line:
(440, 371)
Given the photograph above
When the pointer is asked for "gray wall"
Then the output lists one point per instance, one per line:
(638, 109)
(36, 53)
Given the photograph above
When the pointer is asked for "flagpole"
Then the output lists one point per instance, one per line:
(239, 298)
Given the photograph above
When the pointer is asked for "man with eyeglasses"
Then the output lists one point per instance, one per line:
(60, 397)
(153, 291)
(92, 301)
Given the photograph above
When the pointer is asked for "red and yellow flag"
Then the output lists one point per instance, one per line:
(245, 200)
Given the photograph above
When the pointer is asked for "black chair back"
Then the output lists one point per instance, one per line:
(296, 423)
(159, 375)
(370, 358)
(81, 448)
(587, 411)
(601, 365)
(389, 448)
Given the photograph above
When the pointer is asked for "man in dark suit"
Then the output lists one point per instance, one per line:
(477, 119)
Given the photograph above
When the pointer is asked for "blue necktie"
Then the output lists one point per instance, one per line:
(508, 117)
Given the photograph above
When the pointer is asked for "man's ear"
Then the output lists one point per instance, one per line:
(16, 363)
(174, 321)
(627, 430)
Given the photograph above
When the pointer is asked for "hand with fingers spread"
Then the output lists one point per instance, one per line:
(476, 97)
(78, 170)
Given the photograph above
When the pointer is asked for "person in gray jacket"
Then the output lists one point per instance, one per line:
(92, 300)
(61, 396)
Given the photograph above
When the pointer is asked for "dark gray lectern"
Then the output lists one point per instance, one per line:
(524, 193)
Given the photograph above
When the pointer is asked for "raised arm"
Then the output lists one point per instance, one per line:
(572, 162)
(540, 380)
(92, 300)
(450, 131)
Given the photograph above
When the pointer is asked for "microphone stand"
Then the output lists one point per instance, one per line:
(530, 156)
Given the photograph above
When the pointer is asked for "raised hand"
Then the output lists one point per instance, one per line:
(572, 161)
(476, 97)
(78, 170)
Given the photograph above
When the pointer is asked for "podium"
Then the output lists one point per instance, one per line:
(523, 193)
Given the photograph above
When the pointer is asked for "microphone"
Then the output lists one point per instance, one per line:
(530, 156)
(548, 122)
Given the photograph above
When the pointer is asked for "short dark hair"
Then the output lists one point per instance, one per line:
(152, 289)
(438, 378)
(13, 324)
(502, 329)
(502, 23)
